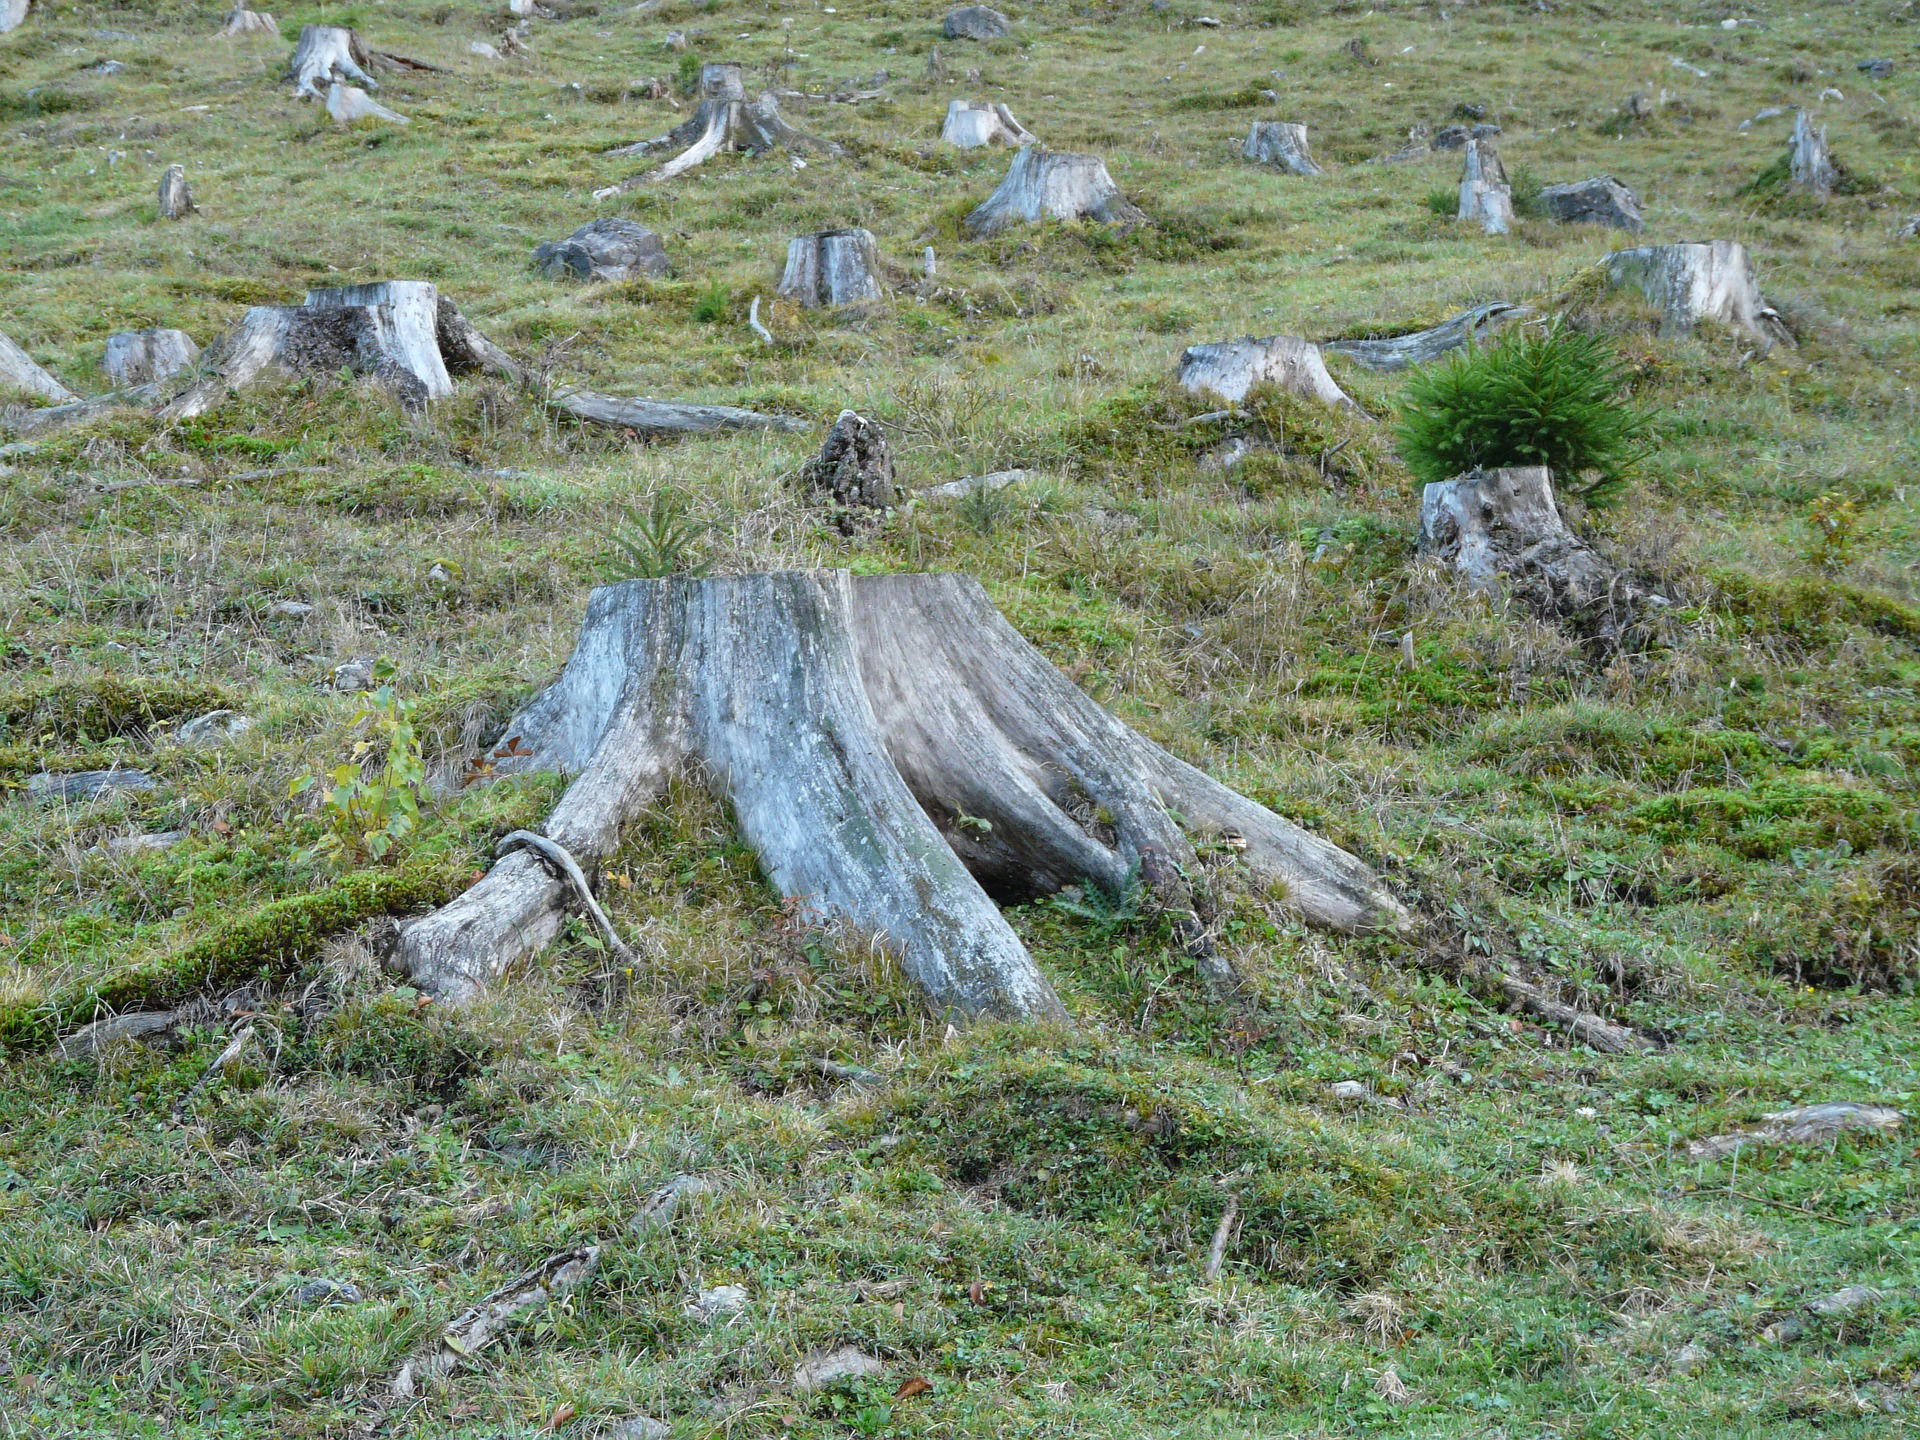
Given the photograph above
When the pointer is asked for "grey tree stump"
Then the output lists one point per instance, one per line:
(1282, 144)
(242, 21)
(1044, 184)
(135, 357)
(13, 14)
(325, 55)
(834, 267)
(726, 120)
(1485, 196)
(971, 124)
(1230, 368)
(892, 750)
(1810, 164)
(176, 196)
(1692, 284)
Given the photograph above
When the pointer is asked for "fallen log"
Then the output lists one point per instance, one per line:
(1398, 352)
(893, 750)
(725, 121)
(480, 1325)
(1044, 184)
(1694, 283)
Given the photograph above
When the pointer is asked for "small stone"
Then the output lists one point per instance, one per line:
(1766, 112)
(290, 609)
(327, 1292)
(976, 22)
(640, 1427)
(1830, 93)
(114, 67)
(825, 1369)
(352, 675)
(603, 249)
(1841, 1303)
(1350, 1092)
(1910, 230)
(662, 1205)
(216, 727)
(483, 50)
(676, 40)
(1783, 1332)
(1689, 1358)
(719, 1303)
(1878, 69)
(1488, 131)
(1451, 137)
(120, 845)
(87, 785)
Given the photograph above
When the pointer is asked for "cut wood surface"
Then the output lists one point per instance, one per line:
(1044, 184)
(135, 357)
(835, 267)
(176, 196)
(1700, 282)
(1230, 368)
(20, 373)
(726, 120)
(1398, 352)
(1485, 197)
(889, 745)
(971, 124)
(1282, 144)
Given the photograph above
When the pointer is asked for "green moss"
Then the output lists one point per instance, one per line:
(1777, 816)
(1812, 610)
(102, 707)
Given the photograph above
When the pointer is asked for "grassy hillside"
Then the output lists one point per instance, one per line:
(1711, 837)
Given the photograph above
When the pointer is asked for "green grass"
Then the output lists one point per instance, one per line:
(1710, 837)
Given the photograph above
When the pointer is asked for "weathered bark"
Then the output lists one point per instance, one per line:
(1403, 351)
(21, 373)
(1819, 1124)
(1692, 283)
(326, 54)
(664, 417)
(853, 473)
(1810, 165)
(1044, 184)
(1601, 200)
(1485, 197)
(480, 1325)
(1501, 531)
(971, 124)
(975, 22)
(248, 22)
(349, 104)
(835, 267)
(1282, 144)
(176, 196)
(725, 120)
(604, 249)
(1594, 1031)
(1231, 368)
(878, 737)
(136, 357)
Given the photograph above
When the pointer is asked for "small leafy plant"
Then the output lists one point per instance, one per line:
(371, 805)
(1834, 523)
(1547, 396)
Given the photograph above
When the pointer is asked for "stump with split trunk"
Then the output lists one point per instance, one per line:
(1694, 283)
(1231, 368)
(176, 196)
(1044, 184)
(1485, 196)
(894, 752)
(834, 267)
(971, 124)
(1810, 164)
(726, 120)
(135, 357)
(1282, 144)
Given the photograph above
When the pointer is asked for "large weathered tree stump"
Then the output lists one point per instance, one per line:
(1231, 368)
(971, 124)
(893, 751)
(176, 196)
(1485, 196)
(1044, 184)
(13, 14)
(853, 474)
(135, 357)
(725, 121)
(242, 22)
(1398, 352)
(21, 373)
(835, 267)
(1501, 531)
(1601, 200)
(1695, 283)
(326, 54)
(1810, 164)
(1282, 144)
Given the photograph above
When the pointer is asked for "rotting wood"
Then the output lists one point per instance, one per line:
(853, 474)
(1399, 352)
(1810, 164)
(1596, 1032)
(475, 1328)
(137, 357)
(176, 196)
(894, 751)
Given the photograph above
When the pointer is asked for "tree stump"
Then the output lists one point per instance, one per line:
(1601, 200)
(835, 267)
(1399, 352)
(1485, 197)
(349, 104)
(243, 21)
(136, 357)
(975, 22)
(1282, 144)
(604, 249)
(176, 196)
(13, 14)
(20, 373)
(725, 121)
(1810, 165)
(892, 750)
(1231, 368)
(1044, 184)
(1692, 283)
(971, 124)
(1501, 531)
(853, 473)
(326, 54)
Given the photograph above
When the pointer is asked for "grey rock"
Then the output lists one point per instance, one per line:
(1689, 1358)
(825, 1369)
(327, 1292)
(976, 22)
(604, 249)
(87, 785)
(114, 67)
(1601, 200)
(1784, 1332)
(722, 1302)
(1451, 137)
(1848, 1301)
(640, 1427)
(121, 845)
(290, 609)
(216, 727)
(351, 675)
(1878, 69)
(659, 1208)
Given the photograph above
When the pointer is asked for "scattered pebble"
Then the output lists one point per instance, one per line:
(290, 609)
(827, 1368)
(327, 1292)
(719, 1303)
(352, 675)
(1848, 1301)
(216, 727)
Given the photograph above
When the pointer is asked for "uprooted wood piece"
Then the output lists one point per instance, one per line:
(725, 120)
(1399, 352)
(1501, 531)
(480, 1325)
(403, 334)
(893, 750)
